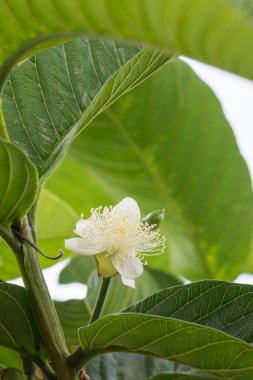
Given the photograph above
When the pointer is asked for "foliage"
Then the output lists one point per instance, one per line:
(96, 107)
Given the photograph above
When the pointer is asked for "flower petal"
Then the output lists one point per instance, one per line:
(129, 268)
(127, 282)
(129, 209)
(81, 226)
(79, 245)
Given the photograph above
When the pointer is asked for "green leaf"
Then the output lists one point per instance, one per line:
(125, 366)
(18, 186)
(76, 313)
(78, 270)
(74, 173)
(119, 295)
(197, 346)
(174, 151)
(72, 315)
(181, 376)
(65, 88)
(10, 358)
(222, 305)
(55, 222)
(217, 32)
(18, 328)
(52, 231)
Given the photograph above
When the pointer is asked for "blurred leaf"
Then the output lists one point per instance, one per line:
(72, 315)
(221, 305)
(174, 151)
(65, 88)
(76, 313)
(18, 185)
(18, 328)
(78, 270)
(78, 187)
(182, 376)
(187, 343)
(123, 366)
(218, 32)
(10, 358)
(56, 220)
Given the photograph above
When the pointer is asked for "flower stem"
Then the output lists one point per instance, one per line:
(78, 357)
(104, 286)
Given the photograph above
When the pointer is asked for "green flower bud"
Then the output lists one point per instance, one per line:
(104, 265)
(155, 217)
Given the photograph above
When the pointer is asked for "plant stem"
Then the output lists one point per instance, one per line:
(43, 306)
(50, 375)
(104, 286)
(29, 368)
(78, 357)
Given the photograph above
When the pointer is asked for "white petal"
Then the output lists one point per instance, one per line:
(128, 268)
(81, 226)
(128, 208)
(127, 282)
(79, 245)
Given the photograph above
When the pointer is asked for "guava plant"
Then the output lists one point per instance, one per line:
(115, 155)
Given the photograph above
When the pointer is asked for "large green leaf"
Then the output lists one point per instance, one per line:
(218, 32)
(18, 185)
(198, 346)
(18, 328)
(78, 187)
(55, 222)
(176, 151)
(222, 305)
(53, 95)
(76, 313)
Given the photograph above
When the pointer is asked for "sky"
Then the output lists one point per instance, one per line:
(236, 96)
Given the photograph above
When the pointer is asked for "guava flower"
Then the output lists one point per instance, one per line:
(118, 240)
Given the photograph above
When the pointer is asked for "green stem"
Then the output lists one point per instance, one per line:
(104, 286)
(78, 357)
(44, 367)
(31, 216)
(29, 368)
(42, 305)
(50, 375)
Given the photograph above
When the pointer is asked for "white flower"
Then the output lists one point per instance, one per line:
(119, 240)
